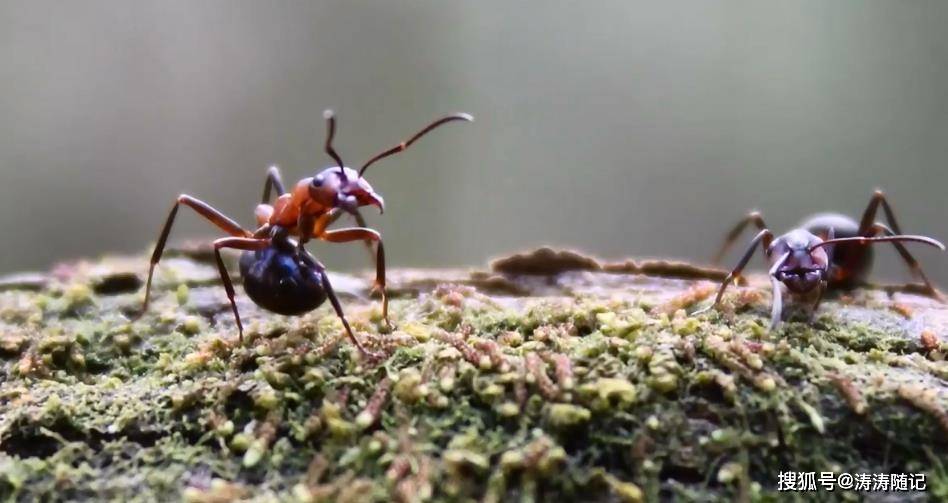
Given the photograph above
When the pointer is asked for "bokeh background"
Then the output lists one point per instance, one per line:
(622, 128)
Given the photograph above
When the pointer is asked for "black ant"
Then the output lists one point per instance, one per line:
(278, 273)
(827, 251)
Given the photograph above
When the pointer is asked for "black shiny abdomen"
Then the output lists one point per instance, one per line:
(851, 261)
(280, 280)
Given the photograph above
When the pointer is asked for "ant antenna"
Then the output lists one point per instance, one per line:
(405, 144)
(881, 239)
(330, 134)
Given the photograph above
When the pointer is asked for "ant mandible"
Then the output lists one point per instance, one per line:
(277, 272)
(827, 251)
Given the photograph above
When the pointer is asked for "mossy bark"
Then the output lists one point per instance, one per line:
(550, 375)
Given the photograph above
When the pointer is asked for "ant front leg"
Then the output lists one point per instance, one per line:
(916, 269)
(776, 309)
(763, 238)
(360, 221)
(223, 222)
(365, 234)
(819, 298)
(824, 281)
(251, 244)
(752, 217)
(334, 215)
(311, 226)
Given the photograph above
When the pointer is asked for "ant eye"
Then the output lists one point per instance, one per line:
(318, 180)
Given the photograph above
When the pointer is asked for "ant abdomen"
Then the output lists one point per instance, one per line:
(281, 280)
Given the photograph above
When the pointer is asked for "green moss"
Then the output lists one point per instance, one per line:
(564, 415)
(593, 396)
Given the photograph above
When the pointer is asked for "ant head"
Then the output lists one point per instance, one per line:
(338, 186)
(802, 264)
(343, 188)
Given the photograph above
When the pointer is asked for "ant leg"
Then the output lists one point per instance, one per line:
(217, 218)
(365, 234)
(762, 238)
(316, 225)
(819, 299)
(360, 221)
(827, 273)
(319, 225)
(869, 215)
(914, 266)
(238, 244)
(322, 222)
(776, 310)
(338, 307)
(330, 218)
(306, 221)
(752, 217)
(274, 181)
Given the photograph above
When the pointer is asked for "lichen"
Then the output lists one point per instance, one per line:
(592, 385)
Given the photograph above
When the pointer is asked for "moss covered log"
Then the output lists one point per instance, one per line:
(549, 375)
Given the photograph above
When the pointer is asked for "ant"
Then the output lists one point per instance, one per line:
(277, 272)
(827, 251)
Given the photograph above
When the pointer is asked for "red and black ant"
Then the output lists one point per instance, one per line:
(827, 251)
(277, 272)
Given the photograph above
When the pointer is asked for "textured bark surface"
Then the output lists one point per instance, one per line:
(550, 374)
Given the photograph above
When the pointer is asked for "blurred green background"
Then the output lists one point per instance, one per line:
(621, 128)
